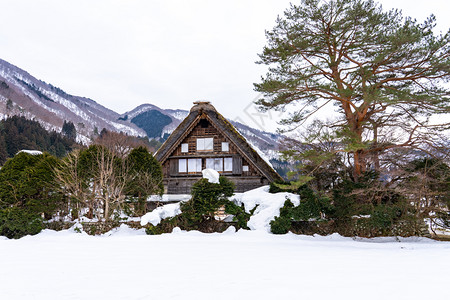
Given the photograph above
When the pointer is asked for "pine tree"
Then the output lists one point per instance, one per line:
(145, 177)
(69, 130)
(383, 73)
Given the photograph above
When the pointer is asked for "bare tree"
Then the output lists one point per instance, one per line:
(70, 182)
(119, 143)
(110, 177)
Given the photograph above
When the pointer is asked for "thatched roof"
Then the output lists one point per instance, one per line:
(205, 110)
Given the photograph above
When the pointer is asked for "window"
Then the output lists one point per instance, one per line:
(205, 144)
(182, 165)
(184, 148)
(191, 165)
(220, 164)
(228, 164)
(215, 164)
(225, 147)
(194, 165)
(244, 168)
(210, 163)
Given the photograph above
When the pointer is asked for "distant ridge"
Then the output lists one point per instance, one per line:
(24, 95)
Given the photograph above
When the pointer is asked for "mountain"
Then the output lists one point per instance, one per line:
(24, 95)
(159, 124)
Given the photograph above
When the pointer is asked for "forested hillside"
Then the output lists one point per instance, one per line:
(152, 121)
(18, 133)
(22, 94)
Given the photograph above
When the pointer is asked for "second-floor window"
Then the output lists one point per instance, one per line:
(205, 144)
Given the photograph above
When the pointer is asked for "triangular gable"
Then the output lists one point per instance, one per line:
(206, 110)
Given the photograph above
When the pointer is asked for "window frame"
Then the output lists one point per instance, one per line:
(227, 146)
(188, 165)
(212, 163)
(201, 144)
(184, 160)
(198, 167)
(230, 164)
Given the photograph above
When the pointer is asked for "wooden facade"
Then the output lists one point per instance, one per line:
(207, 140)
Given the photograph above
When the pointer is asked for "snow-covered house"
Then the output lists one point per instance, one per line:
(206, 140)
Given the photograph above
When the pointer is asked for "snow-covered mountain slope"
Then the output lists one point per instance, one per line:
(23, 94)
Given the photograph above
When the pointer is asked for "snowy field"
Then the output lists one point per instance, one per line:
(127, 264)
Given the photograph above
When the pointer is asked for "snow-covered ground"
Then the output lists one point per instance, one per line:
(127, 264)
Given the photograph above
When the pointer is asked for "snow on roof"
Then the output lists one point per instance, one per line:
(31, 152)
(259, 151)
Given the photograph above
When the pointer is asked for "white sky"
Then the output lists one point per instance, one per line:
(123, 53)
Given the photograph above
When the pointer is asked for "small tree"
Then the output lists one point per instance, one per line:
(101, 181)
(69, 130)
(208, 197)
(145, 177)
(426, 183)
(318, 158)
(71, 183)
(119, 143)
(105, 175)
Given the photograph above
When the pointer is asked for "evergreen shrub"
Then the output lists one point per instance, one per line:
(312, 206)
(198, 212)
(17, 222)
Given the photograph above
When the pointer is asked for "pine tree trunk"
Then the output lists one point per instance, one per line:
(360, 163)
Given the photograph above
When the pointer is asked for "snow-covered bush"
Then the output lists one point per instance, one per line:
(199, 212)
(312, 206)
(382, 212)
(207, 198)
(282, 224)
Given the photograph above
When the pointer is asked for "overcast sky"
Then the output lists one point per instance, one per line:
(123, 53)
